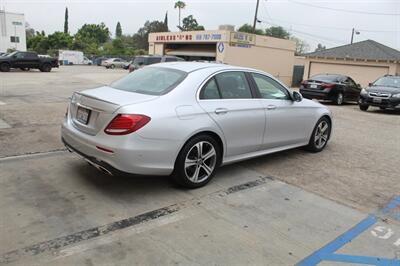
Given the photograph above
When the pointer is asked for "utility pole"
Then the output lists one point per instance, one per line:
(255, 17)
(353, 31)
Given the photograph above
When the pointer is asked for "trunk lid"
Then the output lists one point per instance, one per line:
(100, 105)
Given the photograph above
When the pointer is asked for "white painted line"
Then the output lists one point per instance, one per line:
(3, 124)
(2, 103)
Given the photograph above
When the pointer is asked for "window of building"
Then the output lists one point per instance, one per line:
(14, 39)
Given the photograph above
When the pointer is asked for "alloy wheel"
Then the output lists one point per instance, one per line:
(339, 99)
(321, 134)
(200, 161)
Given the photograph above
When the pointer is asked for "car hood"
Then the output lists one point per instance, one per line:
(118, 97)
(383, 89)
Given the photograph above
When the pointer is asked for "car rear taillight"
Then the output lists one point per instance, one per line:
(304, 82)
(327, 85)
(124, 124)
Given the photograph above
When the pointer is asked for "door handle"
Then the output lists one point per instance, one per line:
(220, 111)
(271, 107)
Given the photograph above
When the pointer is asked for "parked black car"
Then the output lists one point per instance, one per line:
(333, 87)
(383, 93)
(144, 60)
(26, 61)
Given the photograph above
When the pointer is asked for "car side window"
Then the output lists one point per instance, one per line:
(351, 82)
(210, 91)
(233, 85)
(20, 55)
(170, 59)
(269, 88)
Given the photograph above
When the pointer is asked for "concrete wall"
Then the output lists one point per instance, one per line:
(362, 72)
(8, 29)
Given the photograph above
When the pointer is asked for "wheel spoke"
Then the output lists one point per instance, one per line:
(199, 147)
(207, 169)
(196, 174)
(209, 154)
(324, 138)
(190, 162)
(324, 127)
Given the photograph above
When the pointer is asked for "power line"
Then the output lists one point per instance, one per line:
(315, 36)
(345, 10)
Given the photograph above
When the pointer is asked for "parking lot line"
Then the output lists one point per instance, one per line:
(327, 253)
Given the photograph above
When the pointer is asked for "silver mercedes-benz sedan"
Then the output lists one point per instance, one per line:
(185, 119)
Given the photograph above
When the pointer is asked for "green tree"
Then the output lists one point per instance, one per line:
(166, 20)
(38, 43)
(142, 36)
(97, 33)
(320, 47)
(66, 20)
(301, 45)
(180, 5)
(277, 32)
(249, 29)
(118, 30)
(59, 40)
(190, 23)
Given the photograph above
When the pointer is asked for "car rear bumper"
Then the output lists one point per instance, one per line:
(130, 154)
(316, 94)
(391, 103)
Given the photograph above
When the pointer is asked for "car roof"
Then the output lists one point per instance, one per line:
(194, 66)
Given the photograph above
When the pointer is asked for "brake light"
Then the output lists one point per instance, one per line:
(124, 124)
(327, 85)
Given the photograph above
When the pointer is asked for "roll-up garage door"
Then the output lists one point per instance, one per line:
(360, 73)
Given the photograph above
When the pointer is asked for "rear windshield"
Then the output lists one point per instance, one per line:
(150, 80)
(388, 82)
(328, 78)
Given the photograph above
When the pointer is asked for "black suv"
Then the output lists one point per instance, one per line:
(383, 93)
(333, 87)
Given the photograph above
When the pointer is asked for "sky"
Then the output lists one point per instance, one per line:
(315, 21)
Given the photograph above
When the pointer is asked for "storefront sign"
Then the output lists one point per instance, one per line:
(183, 37)
(243, 38)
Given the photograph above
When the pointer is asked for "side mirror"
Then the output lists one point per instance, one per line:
(359, 85)
(370, 84)
(296, 96)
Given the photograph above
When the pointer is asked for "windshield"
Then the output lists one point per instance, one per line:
(388, 82)
(13, 53)
(326, 78)
(150, 80)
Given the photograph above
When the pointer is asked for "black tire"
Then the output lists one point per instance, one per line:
(45, 68)
(339, 99)
(313, 143)
(5, 67)
(189, 154)
(363, 107)
(382, 108)
(112, 66)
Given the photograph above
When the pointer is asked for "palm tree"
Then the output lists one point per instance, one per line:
(180, 5)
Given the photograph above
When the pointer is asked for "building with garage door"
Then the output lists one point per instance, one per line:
(273, 55)
(12, 31)
(363, 61)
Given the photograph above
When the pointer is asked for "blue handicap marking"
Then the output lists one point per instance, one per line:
(221, 47)
(327, 253)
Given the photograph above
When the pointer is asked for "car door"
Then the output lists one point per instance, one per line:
(353, 89)
(19, 60)
(229, 100)
(287, 121)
